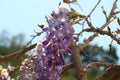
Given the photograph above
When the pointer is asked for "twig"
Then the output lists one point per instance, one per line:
(104, 12)
(110, 45)
(90, 12)
(117, 12)
(33, 37)
(94, 8)
(112, 13)
(95, 46)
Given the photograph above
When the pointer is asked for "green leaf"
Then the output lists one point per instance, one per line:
(73, 14)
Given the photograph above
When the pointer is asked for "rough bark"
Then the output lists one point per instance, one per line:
(78, 63)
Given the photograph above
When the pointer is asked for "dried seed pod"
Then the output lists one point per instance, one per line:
(66, 1)
(118, 20)
(117, 31)
(41, 26)
(74, 0)
(109, 30)
(69, 1)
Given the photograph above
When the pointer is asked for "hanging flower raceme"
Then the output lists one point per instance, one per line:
(60, 31)
(37, 68)
(48, 61)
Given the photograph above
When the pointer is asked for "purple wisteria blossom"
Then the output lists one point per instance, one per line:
(38, 67)
(60, 31)
(48, 61)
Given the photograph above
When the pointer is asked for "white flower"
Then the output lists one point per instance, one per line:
(63, 7)
(4, 72)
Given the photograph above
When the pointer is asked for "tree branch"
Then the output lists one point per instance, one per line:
(112, 73)
(103, 33)
(16, 54)
(77, 60)
(98, 64)
(78, 63)
(66, 67)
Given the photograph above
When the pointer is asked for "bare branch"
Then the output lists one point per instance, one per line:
(112, 73)
(94, 8)
(87, 41)
(112, 13)
(103, 33)
(98, 64)
(16, 54)
(104, 12)
(89, 23)
(33, 37)
(66, 67)
(117, 12)
(89, 13)
(112, 70)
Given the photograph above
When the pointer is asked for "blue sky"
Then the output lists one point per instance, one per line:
(22, 16)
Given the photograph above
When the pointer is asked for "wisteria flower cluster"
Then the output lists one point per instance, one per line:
(47, 62)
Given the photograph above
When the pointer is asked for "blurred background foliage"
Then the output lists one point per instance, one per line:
(10, 44)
